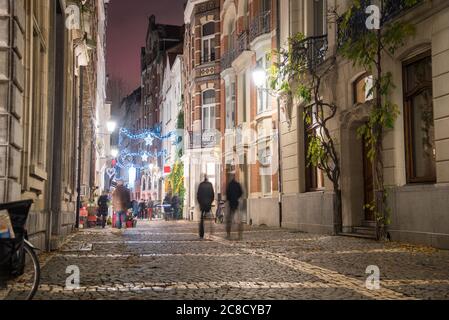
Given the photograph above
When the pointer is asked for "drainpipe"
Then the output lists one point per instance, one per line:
(80, 136)
(278, 40)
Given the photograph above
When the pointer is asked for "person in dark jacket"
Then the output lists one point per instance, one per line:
(205, 197)
(233, 194)
(142, 210)
(167, 206)
(103, 208)
(175, 206)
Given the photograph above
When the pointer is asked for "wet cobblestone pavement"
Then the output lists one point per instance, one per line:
(167, 260)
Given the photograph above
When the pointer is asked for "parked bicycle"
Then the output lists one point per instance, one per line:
(219, 214)
(18, 258)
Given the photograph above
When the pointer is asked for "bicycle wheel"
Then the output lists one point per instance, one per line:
(25, 286)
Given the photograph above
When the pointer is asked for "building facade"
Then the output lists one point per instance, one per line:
(39, 114)
(415, 152)
(172, 103)
(202, 99)
(250, 114)
(159, 39)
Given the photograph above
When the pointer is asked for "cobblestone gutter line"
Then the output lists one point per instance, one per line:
(145, 255)
(332, 277)
(169, 286)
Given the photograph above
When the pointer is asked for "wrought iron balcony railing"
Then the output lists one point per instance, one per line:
(260, 25)
(311, 52)
(240, 44)
(357, 23)
(202, 139)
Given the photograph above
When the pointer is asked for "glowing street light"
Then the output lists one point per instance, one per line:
(111, 125)
(259, 77)
(114, 153)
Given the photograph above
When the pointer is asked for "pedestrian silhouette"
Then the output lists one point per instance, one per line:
(233, 194)
(205, 197)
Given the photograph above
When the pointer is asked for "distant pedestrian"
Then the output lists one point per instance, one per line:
(135, 208)
(142, 210)
(167, 206)
(121, 202)
(205, 197)
(233, 194)
(175, 206)
(103, 208)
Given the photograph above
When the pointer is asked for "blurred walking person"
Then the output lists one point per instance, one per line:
(233, 194)
(103, 208)
(175, 206)
(205, 197)
(121, 199)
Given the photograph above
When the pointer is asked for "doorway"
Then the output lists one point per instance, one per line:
(368, 183)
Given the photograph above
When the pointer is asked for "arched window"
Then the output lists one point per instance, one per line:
(208, 109)
(208, 42)
(363, 89)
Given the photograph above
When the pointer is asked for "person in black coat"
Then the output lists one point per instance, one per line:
(205, 197)
(175, 206)
(103, 208)
(234, 192)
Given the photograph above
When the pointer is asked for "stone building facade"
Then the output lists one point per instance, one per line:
(39, 71)
(415, 152)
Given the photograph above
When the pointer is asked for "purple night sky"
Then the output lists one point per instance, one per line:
(127, 26)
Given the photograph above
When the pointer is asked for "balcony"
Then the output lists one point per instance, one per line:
(240, 44)
(204, 139)
(260, 25)
(311, 52)
(357, 23)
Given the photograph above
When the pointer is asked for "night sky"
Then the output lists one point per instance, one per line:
(127, 26)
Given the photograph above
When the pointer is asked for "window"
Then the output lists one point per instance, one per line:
(230, 105)
(319, 18)
(38, 76)
(208, 42)
(314, 176)
(419, 120)
(363, 89)
(263, 100)
(208, 110)
(264, 155)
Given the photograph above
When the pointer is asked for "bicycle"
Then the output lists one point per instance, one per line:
(18, 258)
(219, 215)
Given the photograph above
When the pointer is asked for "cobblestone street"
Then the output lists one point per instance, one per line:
(167, 260)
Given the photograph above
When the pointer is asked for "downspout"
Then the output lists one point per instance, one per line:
(278, 41)
(80, 136)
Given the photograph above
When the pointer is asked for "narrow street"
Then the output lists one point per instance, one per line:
(167, 260)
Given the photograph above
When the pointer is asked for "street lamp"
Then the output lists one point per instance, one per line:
(111, 125)
(260, 79)
(114, 153)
